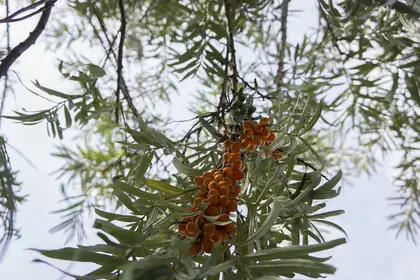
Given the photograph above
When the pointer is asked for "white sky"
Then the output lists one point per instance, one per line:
(372, 252)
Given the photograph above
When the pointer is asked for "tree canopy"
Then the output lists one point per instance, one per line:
(346, 93)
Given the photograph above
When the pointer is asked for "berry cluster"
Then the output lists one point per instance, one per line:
(219, 190)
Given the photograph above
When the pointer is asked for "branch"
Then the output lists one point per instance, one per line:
(6, 76)
(120, 55)
(25, 45)
(231, 46)
(11, 18)
(283, 42)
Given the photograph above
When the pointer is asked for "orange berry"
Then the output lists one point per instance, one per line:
(223, 218)
(238, 175)
(228, 144)
(209, 228)
(213, 200)
(224, 200)
(232, 206)
(228, 180)
(207, 175)
(235, 156)
(207, 182)
(265, 133)
(236, 165)
(224, 236)
(241, 138)
(231, 229)
(236, 148)
(191, 227)
(195, 249)
(248, 124)
(252, 148)
(198, 180)
(182, 228)
(242, 167)
(224, 190)
(248, 132)
(217, 236)
(212, 211)
(201, 193)
(214, 192)
(226, 157)
(278, 155)
(207, 246)
(227, 171)
(187, 219)
(264, 121)
(213, 185)
(246, 142)
(258, 128)
(236, 191)
(218, 177)
(190, 234)
(271, 137)
(256, 140)
(198, 200)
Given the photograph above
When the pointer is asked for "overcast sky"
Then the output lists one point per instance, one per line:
(372, 251)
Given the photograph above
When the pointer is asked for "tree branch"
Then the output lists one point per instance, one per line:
(11, 18)
(283, 42)
(25, 45)
(6, 75)
(231, 45)
(120, 55)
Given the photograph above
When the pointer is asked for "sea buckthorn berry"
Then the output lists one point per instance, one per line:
(191, 227)
(213, 200)
(252, 148)
(223, 218)
(265, 133)
(182, 228)
(236, 190)
(227, 171)
(201, 193)
(190, 234)
(213, 185)
(207, 246)
(228, 144)
(209, 228)
(217, 236)
(241, 138)
(207, 175)
(231, 229)
(248, 124)
(224, 190)
(256, 140)
(218, 177)
(271, 137)
(214, 192)
(187, 219)
(236, 148)
(214, 170)
(198, 200)
(221, 184)
(264, 121)
(248, 132)
(224, 236)
(258, 128)
(228, 180)
(278, 155)
(224, 200)
(207, 182)
(232, 206)
(195, 249)
(238, 175)
(198, 180)
(235, 156)
(246, 142)
(236, 164)
(226, 157)
(212, 211)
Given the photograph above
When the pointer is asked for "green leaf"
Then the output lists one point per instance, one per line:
(215, 270)
(135, 191)
(55, 93)
(314, 119)
(122, 235)
(326, 214)
(113, 216)
(365, 68)
(187, 170)
(303, 267)
(77, 255)
(145, 162)
(67, 116)
(292, 251)
(126, 201)
(163, 186)
(331, 224)
(96, 71)
(332, 182)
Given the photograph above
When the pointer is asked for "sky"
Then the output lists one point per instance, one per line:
(371, 253)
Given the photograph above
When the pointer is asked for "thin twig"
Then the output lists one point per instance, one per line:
(120, 55)
(283, 42)
(6, 76)
(263, 96)
(11, 18)
(331, 31)
(231, 45)
(25, 45)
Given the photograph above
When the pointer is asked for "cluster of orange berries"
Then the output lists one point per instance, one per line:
(219, 189)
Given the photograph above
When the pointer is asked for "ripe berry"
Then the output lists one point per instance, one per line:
(191, 228)
(278, 155)
(248, 132)
(226, 157)
(218, 177)
(248, 124)
(207, 246)
(213, 200)
(213, 185)
(271, 137)
(227, 171)
(195, 249)
(214, 192)
(224, 201)
(232, 206)
(223, 218)
(256, 140)
(231, 229)
(264, 121)
(217, 236)
(235, 156)
(228, 144)
(258, 128)
(265, 133)
(198, 180)
(182, 228)
(209, 229)
(224, 190)
(198, 200)
(236, 148)
(246, 142)
(207, 182)
(212, 211)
